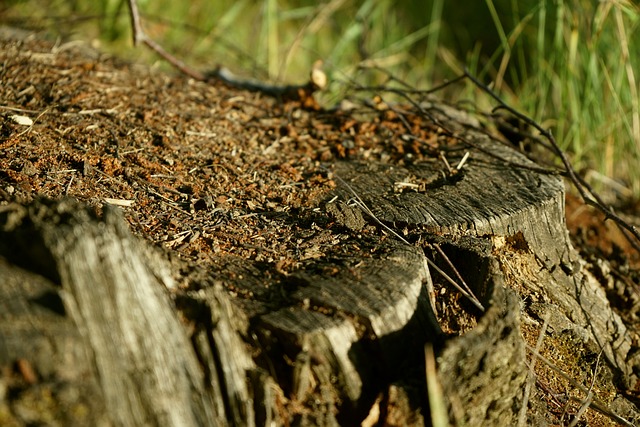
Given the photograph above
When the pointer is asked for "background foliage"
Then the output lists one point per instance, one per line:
(570, 64)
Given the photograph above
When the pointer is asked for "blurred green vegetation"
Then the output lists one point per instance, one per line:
(569, 64)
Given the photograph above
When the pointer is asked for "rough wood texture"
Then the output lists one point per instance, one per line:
(500, 197)
(490, 197)
(94, 318)
(53, 378)
(483, 373)
(114, 292)
(349, 334)
(366, 323)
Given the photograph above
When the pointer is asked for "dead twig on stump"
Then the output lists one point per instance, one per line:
(589, 196)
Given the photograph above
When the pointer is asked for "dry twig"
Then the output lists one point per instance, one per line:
(589, 196)
(139, 36)
(363, 206)
(548, 141)
(317, 80)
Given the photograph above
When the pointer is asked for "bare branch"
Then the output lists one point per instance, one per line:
(136, 26)
(362, 205)
(589, 196)
(139, 36)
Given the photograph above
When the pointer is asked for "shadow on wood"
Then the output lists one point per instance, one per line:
(100, 327)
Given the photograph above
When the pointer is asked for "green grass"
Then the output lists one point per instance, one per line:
(581, 83)
(569, 64)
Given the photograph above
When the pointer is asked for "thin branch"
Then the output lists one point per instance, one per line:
(139, 36)
(363, 206)
(317, 80)
(455, 271)
(589, 196)
(134, 15)
(446, 131)
(407, 88)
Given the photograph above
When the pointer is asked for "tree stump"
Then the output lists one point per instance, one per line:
(100, 327)
(126, 345)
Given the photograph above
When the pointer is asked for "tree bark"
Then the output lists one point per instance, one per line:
(110, 295)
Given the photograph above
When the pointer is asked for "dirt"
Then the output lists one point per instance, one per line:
(215, 174)
(199, 168)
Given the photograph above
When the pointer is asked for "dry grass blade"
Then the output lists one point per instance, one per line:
(583, 408)
(589, 398)
(324, 13)
(437, 404)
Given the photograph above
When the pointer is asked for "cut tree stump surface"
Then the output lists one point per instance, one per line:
(240, 279)
(492, 197)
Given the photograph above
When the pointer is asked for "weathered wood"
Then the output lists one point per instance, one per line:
(366, 323)
(52, 373)
(344, 332)
(114, 290)
(500, 197)
(103, 330)
(490, 197)
(483, 372)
